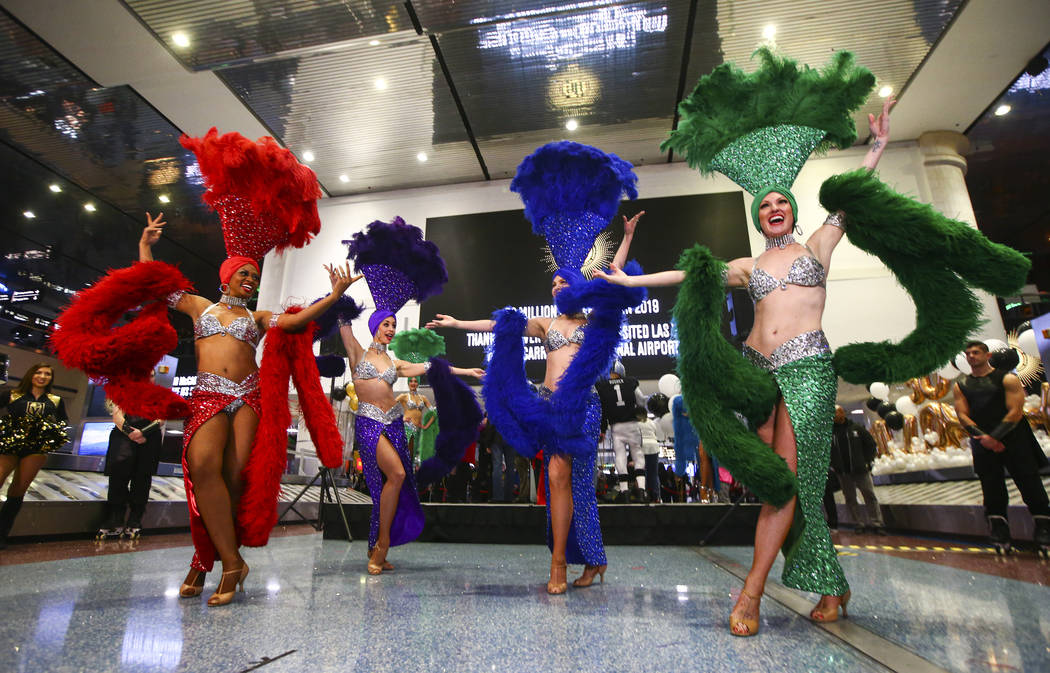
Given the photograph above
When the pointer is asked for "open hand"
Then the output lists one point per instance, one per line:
(629, 225)
(476, 372)
(340, 277)
(442, 320)
(154, 228)
(880, 128)
(614, 275)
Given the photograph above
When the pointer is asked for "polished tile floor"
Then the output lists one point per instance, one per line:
(310, 606)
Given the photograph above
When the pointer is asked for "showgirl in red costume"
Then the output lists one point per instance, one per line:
(235, 436)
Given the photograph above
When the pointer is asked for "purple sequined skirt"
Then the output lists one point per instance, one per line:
(369, 425)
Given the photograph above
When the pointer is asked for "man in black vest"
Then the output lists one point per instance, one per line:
(620, 398)
(990, 405)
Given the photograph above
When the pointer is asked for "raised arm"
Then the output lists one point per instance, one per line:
(880, 131)
(628, 235)
(616, 276)
(354, 350)
(536, 327)
(150, 235)
(340, 278)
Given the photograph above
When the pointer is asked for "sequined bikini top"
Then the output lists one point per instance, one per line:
(555, 339)
(366, 370)
(806, 271)
(412, 405)
(243, 328)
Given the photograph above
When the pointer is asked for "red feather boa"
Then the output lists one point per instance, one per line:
(285, 355)
(123, 357)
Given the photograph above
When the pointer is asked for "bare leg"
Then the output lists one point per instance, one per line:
(390, 464)
(25, 473)
(707, 472)
(773, 522)
(205, 457)
(559, 479)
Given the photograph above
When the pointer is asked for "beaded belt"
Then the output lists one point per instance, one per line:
(795, 348)
(208, 382)
(376, 414)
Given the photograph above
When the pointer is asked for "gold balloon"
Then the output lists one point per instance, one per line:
(351, 396)
(916, 391)
(934, 386)
(882, 437)
(1040, 417)
(932, 420)
(910, 431)
(957, 435)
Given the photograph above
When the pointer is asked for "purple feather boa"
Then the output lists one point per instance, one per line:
(530, 423)
(344, 310)
(401, 246)
(460, 420)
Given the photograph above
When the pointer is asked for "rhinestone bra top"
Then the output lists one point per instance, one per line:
(366, 370)
(412, 405)
(806, 271)
(242, 328)
(555, 339)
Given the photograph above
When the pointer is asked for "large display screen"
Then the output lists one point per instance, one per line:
(494, 260)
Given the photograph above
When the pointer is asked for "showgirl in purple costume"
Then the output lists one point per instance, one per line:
(570, 191)
(398, 265)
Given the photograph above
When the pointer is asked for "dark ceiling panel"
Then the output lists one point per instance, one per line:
(1007, 173)
(613, 68)
(223, 32)
(365, 112)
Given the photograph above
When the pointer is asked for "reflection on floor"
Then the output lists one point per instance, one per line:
(311, 606)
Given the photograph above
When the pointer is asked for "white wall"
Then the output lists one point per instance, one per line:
(864, 301)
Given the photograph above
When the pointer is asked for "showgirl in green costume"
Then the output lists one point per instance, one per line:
(759, 129)
(418, 345)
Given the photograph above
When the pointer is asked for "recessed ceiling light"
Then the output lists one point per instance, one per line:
(163, 198)
(885, 91)
(29, 215)
(55, 187)
(380, 83)
(1001, 110)
(344, 178)
(308, 156)
(90, 207)
(180, 39)
(374, 43)
(422, 156)
(770, 31)
(572, 125)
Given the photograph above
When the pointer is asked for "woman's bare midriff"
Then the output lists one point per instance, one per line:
(375, 391)
(226, 356)
(785, 314)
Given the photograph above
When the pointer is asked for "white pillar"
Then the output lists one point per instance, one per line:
(945, 172)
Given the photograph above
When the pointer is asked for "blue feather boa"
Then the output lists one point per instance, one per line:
(530, 423)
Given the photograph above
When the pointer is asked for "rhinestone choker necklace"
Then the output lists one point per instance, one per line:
(378, 347)
(233, 301)
(779, 241)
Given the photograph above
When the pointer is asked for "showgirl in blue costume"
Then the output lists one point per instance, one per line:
(398, 265)
(570, 191)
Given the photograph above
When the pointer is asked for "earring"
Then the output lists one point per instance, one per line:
(224, 288)
(798, 229)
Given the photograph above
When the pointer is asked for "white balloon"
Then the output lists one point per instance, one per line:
(961, 364)
(1026, 342)
(879, 390)
(948, 372)
(667, 424)
(669, 385)
(995, 345)
(932, 437)
(906, 406)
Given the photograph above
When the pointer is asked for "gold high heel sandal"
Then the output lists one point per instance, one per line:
(226, 597)
(740, 626)
(377, 560)
(823, 614)
(192, 589)
(589, 573)
(387, 565)
(556, 587)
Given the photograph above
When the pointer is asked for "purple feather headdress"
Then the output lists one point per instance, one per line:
(398, 265)
(570, 192)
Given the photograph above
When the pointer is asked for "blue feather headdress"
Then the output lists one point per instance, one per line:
(398, 265)
(570, 192)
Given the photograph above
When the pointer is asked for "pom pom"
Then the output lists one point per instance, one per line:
(418, 345)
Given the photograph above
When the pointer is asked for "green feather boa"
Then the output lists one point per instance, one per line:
(417, 345)
(717, 381)
(936, 259)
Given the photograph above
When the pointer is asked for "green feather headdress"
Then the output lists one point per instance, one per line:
(759, 128)
(417, 345)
